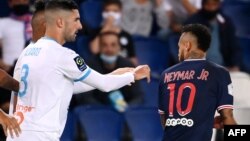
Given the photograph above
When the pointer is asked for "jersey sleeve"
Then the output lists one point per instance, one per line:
(161, 96)
(225, 96)
(73, 66)
(81, 87)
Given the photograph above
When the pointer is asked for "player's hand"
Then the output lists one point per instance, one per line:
(9, 125)
(142, 71)
(122, 71)
(218, 124)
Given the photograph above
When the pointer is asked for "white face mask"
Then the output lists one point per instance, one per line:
(115, 15)
(109, 59)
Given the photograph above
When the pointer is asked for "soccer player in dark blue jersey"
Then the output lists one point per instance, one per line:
(191, 91)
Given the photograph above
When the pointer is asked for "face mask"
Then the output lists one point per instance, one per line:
(108, 59)
(209, 14)
(20, 9)
(115, 15)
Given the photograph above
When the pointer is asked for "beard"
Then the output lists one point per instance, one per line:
(69, 35)
(69, 38)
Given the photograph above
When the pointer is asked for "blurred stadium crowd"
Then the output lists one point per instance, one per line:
(127, 33)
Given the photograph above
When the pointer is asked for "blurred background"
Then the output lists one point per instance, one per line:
(128, 33)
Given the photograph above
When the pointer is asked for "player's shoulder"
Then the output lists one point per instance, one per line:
(9, 21)
(68, 51)
(217, 67)
(5, 19)
(30, 45)
(3, 22)
(47, 42)
(172, 68)
(51, 45)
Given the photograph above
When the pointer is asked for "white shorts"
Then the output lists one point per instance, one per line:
(35, 136)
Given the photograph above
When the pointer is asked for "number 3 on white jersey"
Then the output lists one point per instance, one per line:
(24, 84)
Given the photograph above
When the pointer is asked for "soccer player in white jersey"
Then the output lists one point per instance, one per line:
(47, 72)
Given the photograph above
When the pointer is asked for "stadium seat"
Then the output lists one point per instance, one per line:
(91, 13)
(245, 49)
(82, 47)
(70, 45)
(173, 40)
(70, 128)
(152, 51)
(239, 12)
(100, 123)
(151, 92)
(144, 123)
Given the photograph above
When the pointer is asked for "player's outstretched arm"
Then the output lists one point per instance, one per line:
(111, 82)
(139, 73)
(9, 125)
(7, 82)
(81, 87)
(120, 71)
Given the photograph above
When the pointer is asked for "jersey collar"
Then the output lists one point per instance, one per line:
(195, 59)
(49, 38)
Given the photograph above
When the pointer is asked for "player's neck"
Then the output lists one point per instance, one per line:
(55, 36)
(196, 55)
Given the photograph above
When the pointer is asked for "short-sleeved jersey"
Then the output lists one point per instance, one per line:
(47, 72)
(189, 94)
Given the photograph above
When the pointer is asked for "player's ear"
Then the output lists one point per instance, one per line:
(59, 22)
(188, 46)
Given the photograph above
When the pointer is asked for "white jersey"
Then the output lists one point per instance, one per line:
(47, 72)
(13, 40)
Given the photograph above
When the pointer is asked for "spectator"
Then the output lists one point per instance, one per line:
(15, 32)
(112, 17)
(224, 49)
(138, 16)
(180, 10)
(107, 61)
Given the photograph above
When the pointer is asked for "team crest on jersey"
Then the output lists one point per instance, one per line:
(80, 63)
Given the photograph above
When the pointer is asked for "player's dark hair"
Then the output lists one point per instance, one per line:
(112, 2)
(203, 2)
(108, 33)
(39, 6)
(61, 4)
(202, 34)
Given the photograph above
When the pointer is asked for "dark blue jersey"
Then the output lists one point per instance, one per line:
(189, 94)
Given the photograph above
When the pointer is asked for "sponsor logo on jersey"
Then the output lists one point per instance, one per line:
(179, 121)
(20, 112)
(80, 63)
